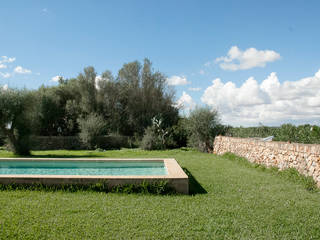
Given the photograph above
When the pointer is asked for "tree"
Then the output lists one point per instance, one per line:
(144, 94)
(88, 91)
(50, 112)
(58, 109)
(16, 115)
(108, 104)
(203, 125)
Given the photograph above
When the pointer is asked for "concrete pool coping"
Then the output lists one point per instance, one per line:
(176, 177)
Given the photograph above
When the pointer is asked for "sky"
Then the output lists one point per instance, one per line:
(256, 62)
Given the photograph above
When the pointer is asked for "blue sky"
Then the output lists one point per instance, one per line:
(189, 41)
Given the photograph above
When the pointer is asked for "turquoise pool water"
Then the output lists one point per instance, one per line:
(113, 168)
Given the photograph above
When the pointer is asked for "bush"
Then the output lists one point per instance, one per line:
(251, 132)
(203, 125)
(178, 136)
(156, 136)
(151, 140)
(157, 187)
(286, 132)
(90, 128)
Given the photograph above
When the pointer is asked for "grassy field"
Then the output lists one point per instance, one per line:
(231, 199)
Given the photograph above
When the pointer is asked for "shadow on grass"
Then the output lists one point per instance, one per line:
(194, 185)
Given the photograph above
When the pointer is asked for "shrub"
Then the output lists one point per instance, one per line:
(178, 136)
(250, 132)
(203, 125)
(151, 140)
(286, 132)
(156, 136)
(91, 127)
(157, 187)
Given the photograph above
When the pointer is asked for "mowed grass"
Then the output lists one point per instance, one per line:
(231, 200)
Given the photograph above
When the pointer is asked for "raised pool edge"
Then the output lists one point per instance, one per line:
(176, 177)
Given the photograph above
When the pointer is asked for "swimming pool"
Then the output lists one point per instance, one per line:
(112, 168)
(51, 171)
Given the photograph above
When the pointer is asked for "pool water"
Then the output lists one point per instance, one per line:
(110, 168)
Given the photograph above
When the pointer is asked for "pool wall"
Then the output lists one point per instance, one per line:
(176, 177)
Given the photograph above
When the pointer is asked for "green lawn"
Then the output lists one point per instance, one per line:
(231, 200)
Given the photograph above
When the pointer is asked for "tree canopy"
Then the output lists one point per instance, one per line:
(126, 103)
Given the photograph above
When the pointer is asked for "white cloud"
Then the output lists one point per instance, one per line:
(22, 70)
(195, 89)
(97, 80)
(5, 59)
(2, 66)
(5, 75)
(5, 87)
(208, 64)
(55, 78)
(185, 102)
(100, 78)
(269, 102)
(177, 80)
(237, 59)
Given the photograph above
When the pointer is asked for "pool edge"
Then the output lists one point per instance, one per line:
(176, 177)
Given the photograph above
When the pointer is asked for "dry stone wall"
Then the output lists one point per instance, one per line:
(303, 157)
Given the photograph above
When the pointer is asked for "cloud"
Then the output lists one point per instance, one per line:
(196, 89)
(5, 75)
(44, 11)
(177, 80)
(202, 72)
(5, 87)
(270, 102)
(208, 64)
(237, 59)
(22, 70)
(3, 65)
(5, 59)
(185, 102)
(55, 78)
(97, 80)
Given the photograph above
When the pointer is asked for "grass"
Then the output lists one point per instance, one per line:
(231, 199)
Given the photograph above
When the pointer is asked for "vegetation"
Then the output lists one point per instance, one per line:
(158, 187)
(89, 105)
(230, 199)
(91, 128)
(203, 125)
(287, 132)
(16, 119)
(155, 136)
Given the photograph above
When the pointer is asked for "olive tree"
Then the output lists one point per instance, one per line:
(91, 127)
(203, 125)
(16, 119)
